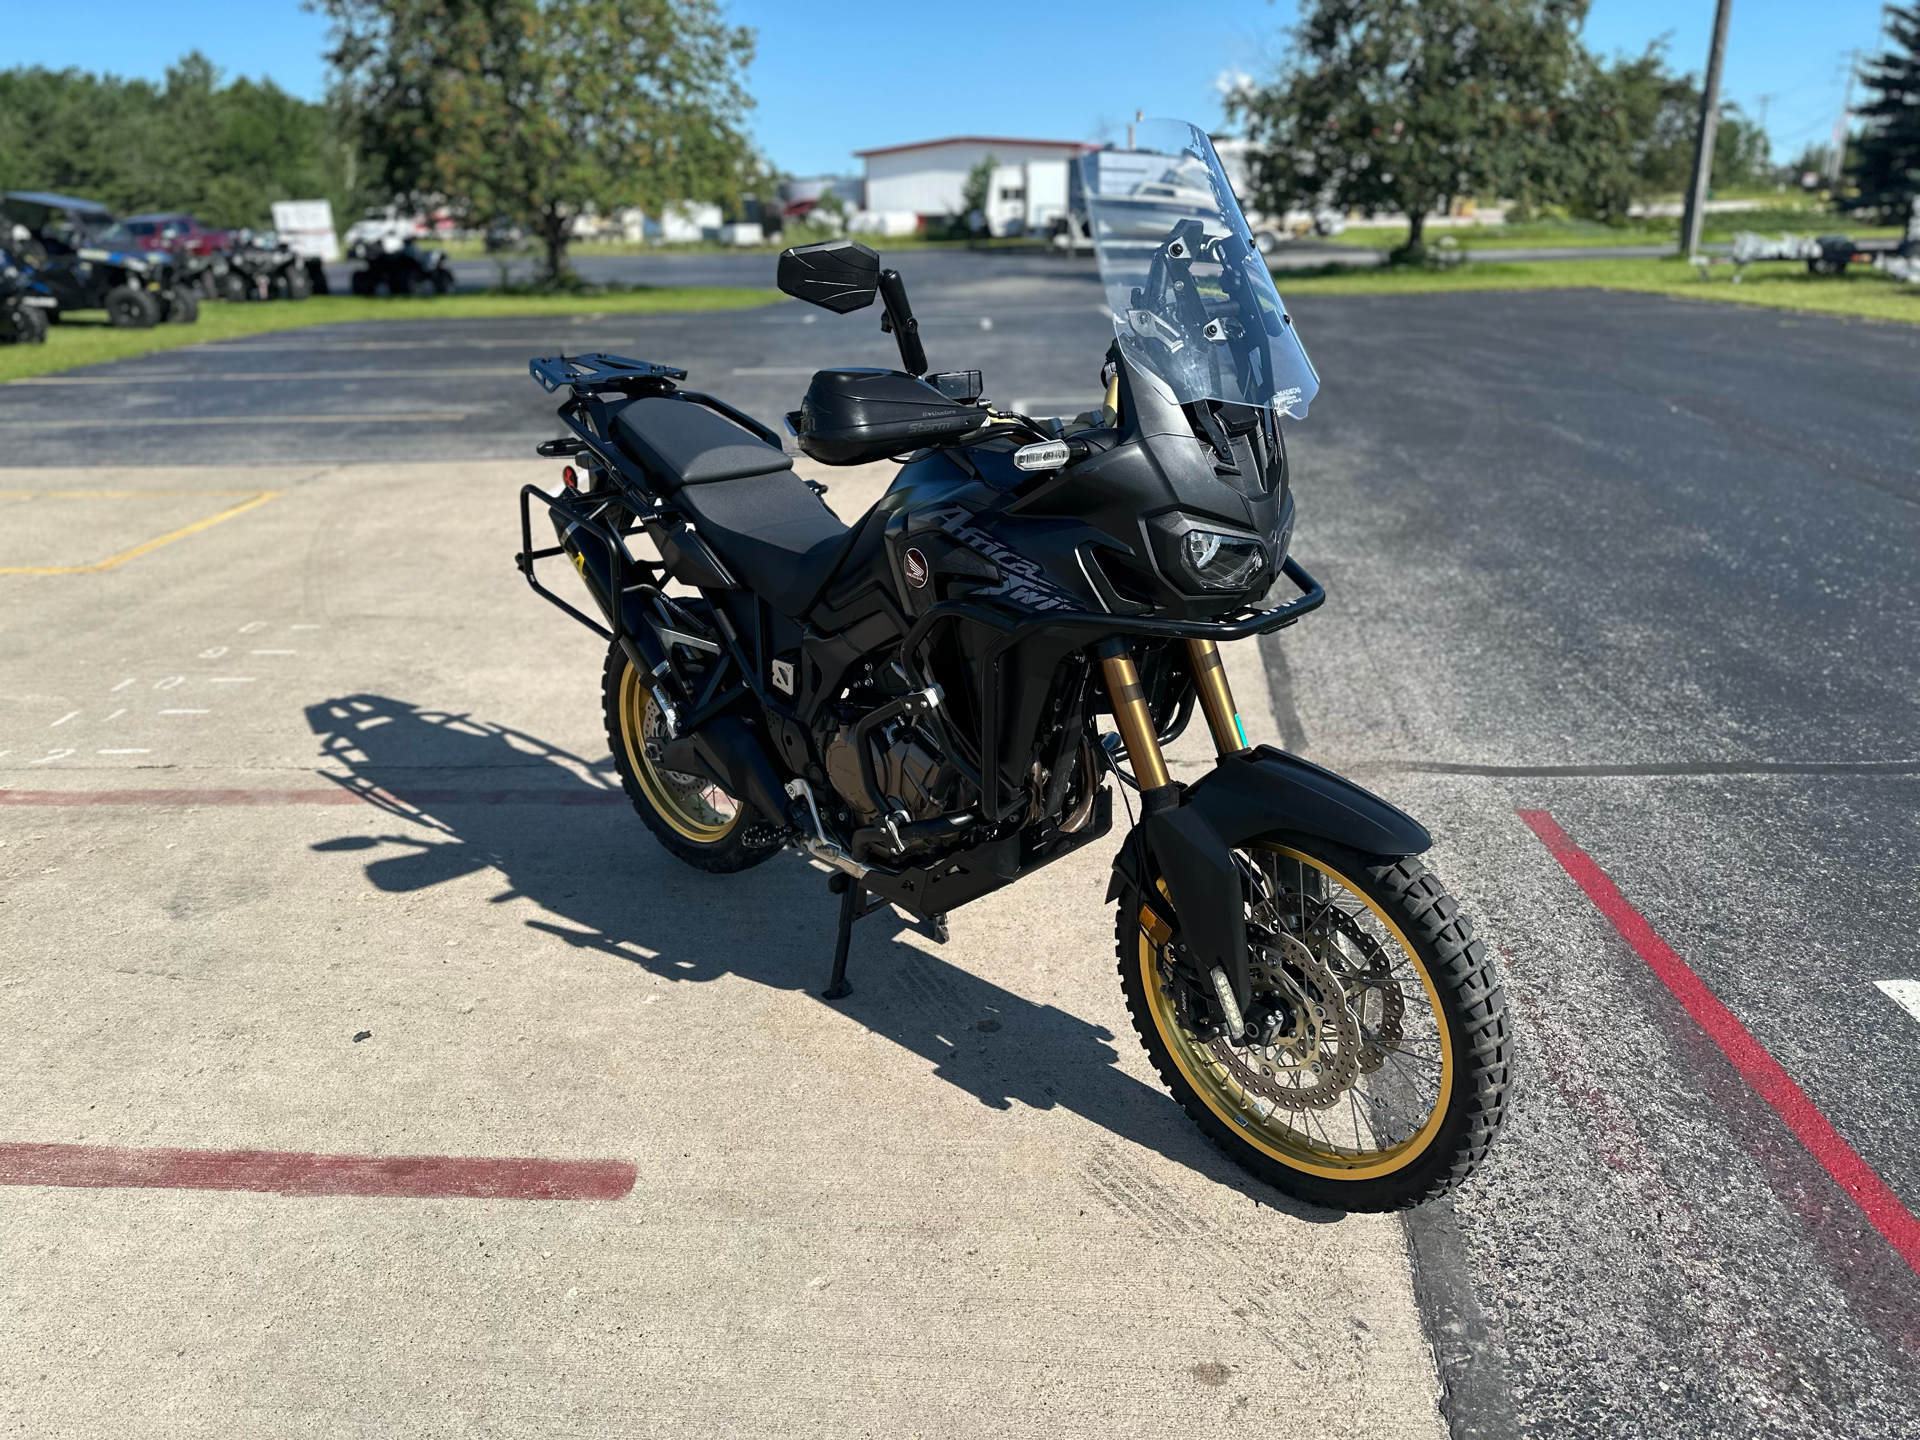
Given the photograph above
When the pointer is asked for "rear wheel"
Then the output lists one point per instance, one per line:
(362, 282)
(693, 817)
(1373, 1073)
(131, 309)
(182, 308)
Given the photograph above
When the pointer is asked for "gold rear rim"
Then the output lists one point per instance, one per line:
(1352, 1077)
(693, 805)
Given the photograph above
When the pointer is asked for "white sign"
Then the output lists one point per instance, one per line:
(306, 228)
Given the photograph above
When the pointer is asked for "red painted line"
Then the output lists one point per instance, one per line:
(1760, 1070)
(330, 796)
(290, 1172)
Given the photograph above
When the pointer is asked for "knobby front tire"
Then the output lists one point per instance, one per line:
(1380, 1075)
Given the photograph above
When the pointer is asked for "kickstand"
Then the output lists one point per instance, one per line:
(853, 906)
(935, 929)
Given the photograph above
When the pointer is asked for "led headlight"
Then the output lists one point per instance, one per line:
(1221, 562)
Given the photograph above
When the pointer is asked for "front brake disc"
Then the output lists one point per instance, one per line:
(1307, 1053)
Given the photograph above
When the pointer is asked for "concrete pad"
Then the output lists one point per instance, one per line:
(957, 1203)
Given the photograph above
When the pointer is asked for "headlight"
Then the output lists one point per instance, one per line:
(1221, 562)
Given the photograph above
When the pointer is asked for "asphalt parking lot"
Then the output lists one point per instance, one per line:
(320, 769)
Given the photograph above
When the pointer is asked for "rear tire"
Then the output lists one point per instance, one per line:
(696, 821)
(131, 309)
(182, 308)
(1380, 927)
(362, 282)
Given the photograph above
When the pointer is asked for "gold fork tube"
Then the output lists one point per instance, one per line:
(1216, 697)
(1130, 713)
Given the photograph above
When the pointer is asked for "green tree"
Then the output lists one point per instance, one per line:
(1622, 134)
(224, 151)
(1404, 104)
(977, 191)
(544, 109)
(1815, 158)
(1742, 154)
(1883, 168)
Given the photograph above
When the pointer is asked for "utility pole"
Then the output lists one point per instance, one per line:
(1836, 162)
(1703, 143)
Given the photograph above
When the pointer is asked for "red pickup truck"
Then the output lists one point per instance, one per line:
(172, 232)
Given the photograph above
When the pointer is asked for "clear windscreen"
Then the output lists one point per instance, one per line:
(1192, 300)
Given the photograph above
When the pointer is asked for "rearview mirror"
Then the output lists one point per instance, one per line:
(837, 275)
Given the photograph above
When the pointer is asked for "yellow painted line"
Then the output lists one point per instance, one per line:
(143, 422)
(248, 377)
(137, 551)
(114, 494)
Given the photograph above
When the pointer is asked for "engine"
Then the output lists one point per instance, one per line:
(911, 773)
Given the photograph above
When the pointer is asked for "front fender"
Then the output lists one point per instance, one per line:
(1256, 792)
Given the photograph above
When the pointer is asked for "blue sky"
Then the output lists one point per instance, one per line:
(831, 78)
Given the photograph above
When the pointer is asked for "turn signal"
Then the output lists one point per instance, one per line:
(1048, 455)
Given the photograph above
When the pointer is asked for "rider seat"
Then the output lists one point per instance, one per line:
(775, 533)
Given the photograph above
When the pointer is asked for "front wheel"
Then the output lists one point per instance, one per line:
(131, 309)
(1372, 1074)
(694, 818)
(22, 325)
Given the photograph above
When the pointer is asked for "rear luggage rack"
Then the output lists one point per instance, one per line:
(590, 374)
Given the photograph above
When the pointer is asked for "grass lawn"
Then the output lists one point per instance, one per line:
(87, 339)
(1861, 293)
(1719, 229)
(798, 235)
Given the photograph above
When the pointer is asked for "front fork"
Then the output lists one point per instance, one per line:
(1157, 790)
(1135, 721)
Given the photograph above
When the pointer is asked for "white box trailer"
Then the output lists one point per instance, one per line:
(1027, 199)
(1047, 187)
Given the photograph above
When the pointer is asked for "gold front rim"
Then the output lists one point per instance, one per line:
(691, 804)
(1401, 1062)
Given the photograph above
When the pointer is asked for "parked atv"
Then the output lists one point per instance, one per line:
(261, 268)
(24, 303)
(81, 270)
(401, 266)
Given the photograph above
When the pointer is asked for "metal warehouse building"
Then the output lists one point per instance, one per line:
(929, 176)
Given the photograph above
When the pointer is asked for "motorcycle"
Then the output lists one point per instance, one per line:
(915, 700)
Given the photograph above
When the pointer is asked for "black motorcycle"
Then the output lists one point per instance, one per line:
(915, 700)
